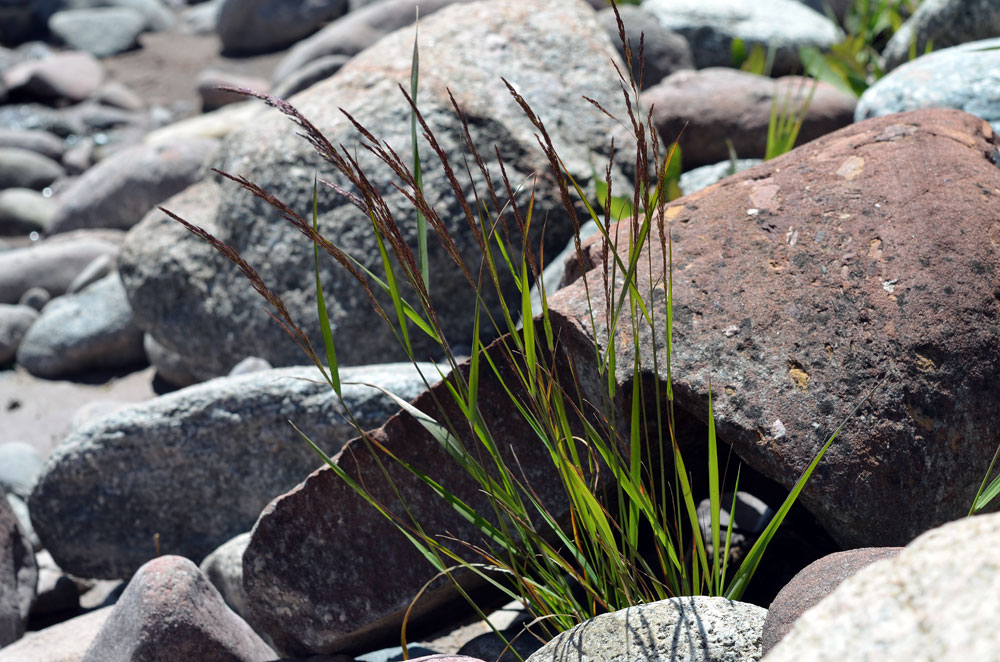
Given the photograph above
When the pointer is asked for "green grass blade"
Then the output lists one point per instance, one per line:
(417, 173)
(324, 318)
(714, 496)
(986, 494)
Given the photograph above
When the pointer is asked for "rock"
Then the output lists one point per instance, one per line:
(200, 19)
(248, 365)
(20, 168)
(170, 611)
(63, 77)
(711, 105)
(964, 77)
(711, 25)
(840, 8)
(491, 647)
(101, 266)
(181, 465)
(703, 177)
(689, 629)
(20, 509)
(799, 295)
(356, 31)
(664, 51)
(20, 464)
(169, 365)
(35, 297)
(23, 211)
(80, 157)
(52, 263)
(168, 271)
(14, 323)
(43, 142)
(215, 124)
(210, 80)
(113, 93)
(92, 329)
(56, 592)
(120, 189)
(812, 584)
(224, 568)
(941, 24)
(64, 642)
(340, 601)
(751, 518)
(18, 575)
(101, 31)
(935, 600)
(309, 74)
(259, 26)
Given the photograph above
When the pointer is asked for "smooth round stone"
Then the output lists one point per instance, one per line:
(24, 210)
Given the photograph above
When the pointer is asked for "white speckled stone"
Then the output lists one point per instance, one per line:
(689, 629)
(939, 599)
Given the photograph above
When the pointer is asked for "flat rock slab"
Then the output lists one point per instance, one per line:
(799, 284)
(196, 466)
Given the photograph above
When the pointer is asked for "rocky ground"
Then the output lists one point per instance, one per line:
(153, 484)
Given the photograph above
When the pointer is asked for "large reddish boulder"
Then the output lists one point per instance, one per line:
(799, 284)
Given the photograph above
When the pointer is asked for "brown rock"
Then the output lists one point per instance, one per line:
(799, 284)
(170, 611)
(711, 105)
(812, 584)
(71, 77)
(212, 97)
(323, 578)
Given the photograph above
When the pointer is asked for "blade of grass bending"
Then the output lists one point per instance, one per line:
(987, 494)
(715, 503)
(324, 319)
(417, 175)
(753, 557)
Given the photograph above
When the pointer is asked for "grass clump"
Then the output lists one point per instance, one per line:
(625, 529)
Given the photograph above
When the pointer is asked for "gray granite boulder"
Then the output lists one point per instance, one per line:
(170, 611)
(689, 629)
(711, 25)
(199, 305)
(195, 466)
(15, 320)
(43, 142)
(942, 24)
(101, 31)
(77, 332)
(258, 26)
(356, 31)
(938, 599)
(965, 77)
(52, 263)
(119, 190)
(20, 464)
(21, 168)
(18, 576)
(23, 211)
